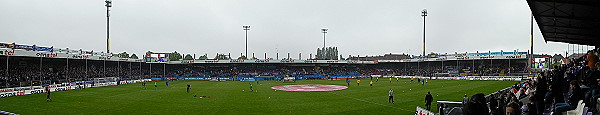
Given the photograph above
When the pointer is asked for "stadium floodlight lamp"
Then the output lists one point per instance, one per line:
(324, 30)
(424, 12)
(246, 27)
(108, 3)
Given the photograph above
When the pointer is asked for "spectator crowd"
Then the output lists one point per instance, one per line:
(555, 91)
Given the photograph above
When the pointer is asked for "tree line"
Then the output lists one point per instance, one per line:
(327, 53)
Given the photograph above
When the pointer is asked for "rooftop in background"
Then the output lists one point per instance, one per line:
(568, 21)
(384, 57)
(576, 55)
(391, 56)
(50, 49)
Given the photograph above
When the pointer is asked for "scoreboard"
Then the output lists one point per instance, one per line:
(157, 57)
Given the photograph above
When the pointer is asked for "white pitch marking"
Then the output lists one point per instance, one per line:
(372, 102)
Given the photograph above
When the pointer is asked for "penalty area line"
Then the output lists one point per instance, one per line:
(372, 102)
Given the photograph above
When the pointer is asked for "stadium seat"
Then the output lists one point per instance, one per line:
(598, 104)
(576, 111)
(7, 113)
(455, 111)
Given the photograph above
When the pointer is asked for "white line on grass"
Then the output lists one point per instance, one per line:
(371, 102)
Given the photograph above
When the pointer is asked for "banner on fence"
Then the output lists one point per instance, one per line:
(421, 111)
(17, 91)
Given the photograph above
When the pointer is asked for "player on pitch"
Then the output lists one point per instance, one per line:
(188, 88)
(251, 90)
(48, 94)
(155, 85)
(348, 81)
(391, 94)
(358, 82)
(371, 84)
(428, 99)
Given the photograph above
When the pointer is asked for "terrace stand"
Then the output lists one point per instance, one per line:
(6, 80)
(68, 77)
(86, 72)
(119, 66)
(104, 73)
(41, 60)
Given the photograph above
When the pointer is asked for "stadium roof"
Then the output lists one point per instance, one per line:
(568, 21)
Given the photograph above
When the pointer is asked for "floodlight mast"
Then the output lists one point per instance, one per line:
(424, 14)
(246, 28)
(324, 31)
(108, 5)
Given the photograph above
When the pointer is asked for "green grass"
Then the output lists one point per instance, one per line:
(227, 98)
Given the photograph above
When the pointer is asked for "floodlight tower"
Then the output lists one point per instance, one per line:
(424, 14)
(108, 5)
(324, 31)
(246, 28)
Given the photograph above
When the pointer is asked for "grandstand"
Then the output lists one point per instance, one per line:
(33, 65)
(28, 68)
(492, 82)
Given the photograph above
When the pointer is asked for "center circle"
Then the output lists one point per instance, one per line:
(309, 87)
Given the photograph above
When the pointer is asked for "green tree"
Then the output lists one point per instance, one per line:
(319, 55)
(133, 56)
(221, 57)
(124, 55)
(188, 57)
(175, 56)
(242, 58)
(335, 54)
(203, 57)
(327, 53)
(121, 55)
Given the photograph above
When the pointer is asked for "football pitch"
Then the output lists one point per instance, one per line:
(234, 97)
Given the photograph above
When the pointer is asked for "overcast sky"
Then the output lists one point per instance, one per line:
(356, 27)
